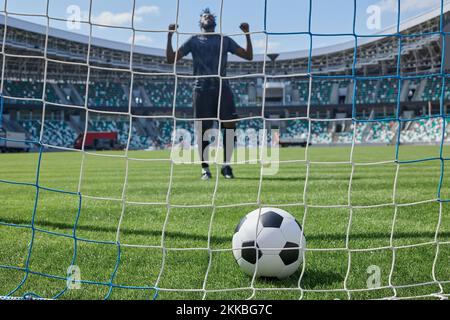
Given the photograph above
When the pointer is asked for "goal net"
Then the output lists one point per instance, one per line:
(86, 224)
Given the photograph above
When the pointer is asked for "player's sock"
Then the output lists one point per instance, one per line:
(203, 147)
(229, 141)
(205, 153)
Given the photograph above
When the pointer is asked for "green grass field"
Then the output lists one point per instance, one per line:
(191, 217)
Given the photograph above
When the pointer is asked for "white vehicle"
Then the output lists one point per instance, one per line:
(13, 141)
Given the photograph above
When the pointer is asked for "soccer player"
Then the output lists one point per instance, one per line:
(205, 49)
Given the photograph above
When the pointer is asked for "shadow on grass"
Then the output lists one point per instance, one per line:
(219, 239)
(312, 279)
(274, 178)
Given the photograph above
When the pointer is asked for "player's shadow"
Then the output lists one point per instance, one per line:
(302, 178)
(219, 239)
(68, 229)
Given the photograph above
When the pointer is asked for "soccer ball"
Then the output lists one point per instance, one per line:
(269, 241)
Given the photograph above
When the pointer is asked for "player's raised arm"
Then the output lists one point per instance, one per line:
(170, 54)
(246, 54)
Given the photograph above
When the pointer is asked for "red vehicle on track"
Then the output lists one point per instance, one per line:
(98, 141)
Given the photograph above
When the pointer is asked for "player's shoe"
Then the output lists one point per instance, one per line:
(206, 174)
(227, 172)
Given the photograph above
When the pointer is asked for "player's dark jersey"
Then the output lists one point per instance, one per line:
(205, 50)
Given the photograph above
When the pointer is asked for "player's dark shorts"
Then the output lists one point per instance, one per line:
(206, 105)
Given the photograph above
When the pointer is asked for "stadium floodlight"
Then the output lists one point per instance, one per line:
(106, 265)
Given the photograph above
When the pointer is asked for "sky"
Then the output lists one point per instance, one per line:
(283, 16)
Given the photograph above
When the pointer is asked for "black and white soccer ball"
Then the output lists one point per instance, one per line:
(269, 241)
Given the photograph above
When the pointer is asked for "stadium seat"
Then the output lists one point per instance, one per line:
(56, 133)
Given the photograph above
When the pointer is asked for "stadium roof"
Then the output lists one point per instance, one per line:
(405, 25)
(121, 46)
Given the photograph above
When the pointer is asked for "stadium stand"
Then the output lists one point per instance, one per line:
(433, 89)
(107, 94)
(160, 94)
(381, 132)
(137, 141)
(388, 92)
(56, 133)
(66, 85)
(367, 91)
(423, 131)
(295, 129)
